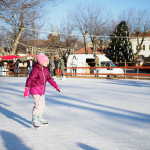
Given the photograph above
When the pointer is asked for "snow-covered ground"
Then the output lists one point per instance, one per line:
(89, 114)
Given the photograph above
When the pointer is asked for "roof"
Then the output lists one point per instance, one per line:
(31, 55)
(9, 57)
(147, 34)
(90, 50)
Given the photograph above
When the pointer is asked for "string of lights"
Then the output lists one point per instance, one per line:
(35, 48)
(98, 36)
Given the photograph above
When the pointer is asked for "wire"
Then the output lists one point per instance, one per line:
(43, 50)
(67, 33)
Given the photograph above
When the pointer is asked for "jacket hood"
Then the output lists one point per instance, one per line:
(36, 65)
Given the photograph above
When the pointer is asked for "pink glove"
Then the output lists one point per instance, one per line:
(57, 88)
(27, 93)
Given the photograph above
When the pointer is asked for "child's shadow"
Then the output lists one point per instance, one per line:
(15, 117)
(11, 141)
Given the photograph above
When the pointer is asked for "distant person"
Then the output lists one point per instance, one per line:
(56, 65)
(62, 67)
(36, 85)
(30, 64)
(74, 64)
(96, 63)
(65, 61)
(1, 66)
(51, 67)
(16, 65)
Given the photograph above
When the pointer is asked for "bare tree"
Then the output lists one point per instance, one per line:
(67, 38)
(138, 22)
(98, 20)
(90, 19)
(19, 14)
(80, 19)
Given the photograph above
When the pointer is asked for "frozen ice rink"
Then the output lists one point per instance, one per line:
(89, 114)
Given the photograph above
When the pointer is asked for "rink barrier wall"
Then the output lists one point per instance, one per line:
(24, 71)
(110, 74)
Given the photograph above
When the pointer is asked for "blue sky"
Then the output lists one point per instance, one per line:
(116, 6)
(55, 14)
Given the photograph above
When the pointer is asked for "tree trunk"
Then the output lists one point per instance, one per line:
(85, 42)
(93, 40)
(94, 45)
(139, 45)
(94, 52)
(2, 50)
(138, 51)
(14, 48)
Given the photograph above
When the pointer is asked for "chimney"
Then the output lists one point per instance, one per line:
(148, 30)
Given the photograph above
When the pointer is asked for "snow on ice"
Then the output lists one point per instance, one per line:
(88, 114)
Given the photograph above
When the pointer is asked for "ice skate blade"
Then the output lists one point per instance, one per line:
(42, 125)
(63, 79)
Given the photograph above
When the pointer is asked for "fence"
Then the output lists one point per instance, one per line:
(136, 71)
(129, 69)
(12, 71)
(109, 68)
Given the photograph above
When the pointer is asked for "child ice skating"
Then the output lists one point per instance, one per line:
(36, 85)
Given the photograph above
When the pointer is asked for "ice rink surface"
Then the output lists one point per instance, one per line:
(89, 114)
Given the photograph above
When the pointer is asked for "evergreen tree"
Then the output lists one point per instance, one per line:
(120, 48)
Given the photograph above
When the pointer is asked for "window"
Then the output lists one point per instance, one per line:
(143, 47)
(107, 64)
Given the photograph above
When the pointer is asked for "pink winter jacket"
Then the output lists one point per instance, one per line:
(37, 80)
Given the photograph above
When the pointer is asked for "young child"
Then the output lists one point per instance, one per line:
(35, 85)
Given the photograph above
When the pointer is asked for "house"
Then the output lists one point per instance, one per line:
(145, 46)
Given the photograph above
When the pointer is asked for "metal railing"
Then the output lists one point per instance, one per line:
(131, 69)
(16, 71)
(136, 71)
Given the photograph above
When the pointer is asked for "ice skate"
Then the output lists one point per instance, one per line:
(42, 121)
(35, 121)
(63, 78)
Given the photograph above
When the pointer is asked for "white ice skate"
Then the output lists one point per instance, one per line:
(63, 78)
(42, 121)
(35, 121)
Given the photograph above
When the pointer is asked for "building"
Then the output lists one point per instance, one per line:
(145, 51)
(54, 39)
